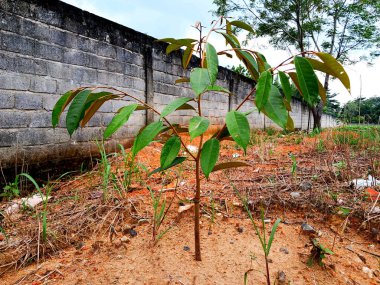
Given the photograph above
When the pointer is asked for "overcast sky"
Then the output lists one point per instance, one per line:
(168, 18)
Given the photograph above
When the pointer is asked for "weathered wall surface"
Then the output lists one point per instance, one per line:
(49, 47)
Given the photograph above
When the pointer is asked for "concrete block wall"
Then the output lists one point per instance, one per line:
(48, 47)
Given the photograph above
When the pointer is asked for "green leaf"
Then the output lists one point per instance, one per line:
(95, 96)
(307, 79)
(199, 80)
(170, 151)
(271, 237)
(74, 114)
(177, 44)
(172, 47)
(187, 56)
(249, 62)
(275, 108)
(231, 40)
(174, 105)
(286, 88)
(146, 136)
(263, 88)
(209, 155)
(230, 164)
(288, 106)
(119, 119)
(218, 88)
(238, 127)
(140, 108)
(61, 105)
(212, 63)
(336, 67)
(290, 124)
(182, 80)
(197, 126)
(94, 106)
(320, 66)
(322, 92)
(294, 78)
(243, 26)
(176, 161)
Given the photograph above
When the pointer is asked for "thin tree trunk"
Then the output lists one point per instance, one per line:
(197, 212)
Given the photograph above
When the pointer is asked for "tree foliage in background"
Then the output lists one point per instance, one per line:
(337, 27)
(362, 111)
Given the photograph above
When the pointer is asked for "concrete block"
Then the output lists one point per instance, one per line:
(43, 85)
(76, 57)
(28, 101)
(8, 137)
(14, 119)
(41, 119)
(106, 50)
(7, 99)
(14, 81)
(17, 43)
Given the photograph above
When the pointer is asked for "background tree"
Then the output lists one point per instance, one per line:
(338, 27)
(369, 111)
(332, 106)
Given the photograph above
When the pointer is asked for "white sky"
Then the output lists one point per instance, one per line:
(174, 18)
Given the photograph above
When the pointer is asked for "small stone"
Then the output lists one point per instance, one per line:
(186, 248)
(1, 237)
(368, 271)
(295, 195)
(270, 260)
(281, 277)
(240, 229)
(305, 185)
(79, 245)
(232, 241)
(143, 221)
(284, 250)
(125, 239)
(132, 233)
(307, 228)
(119, 257)
(267, 221)
(375, 210)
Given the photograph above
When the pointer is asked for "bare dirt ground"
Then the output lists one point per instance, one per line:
(92, 241)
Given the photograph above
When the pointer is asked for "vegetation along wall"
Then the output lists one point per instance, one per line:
(48, 47)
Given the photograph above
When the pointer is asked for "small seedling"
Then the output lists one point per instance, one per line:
(84, 102)
(45, 199)
(266, 243)
(318, 253)
(160, 210)
(294, 164)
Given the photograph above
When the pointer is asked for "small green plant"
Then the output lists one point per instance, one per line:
(84, 102)
(11, 190)
(160, 211)
(320, 146)
(294, 164)
(132, 170)
(340, 166)
(298, 140)
(318, 253)
(265, 242)
(105, 168)
(314, 132)
(45, 199)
